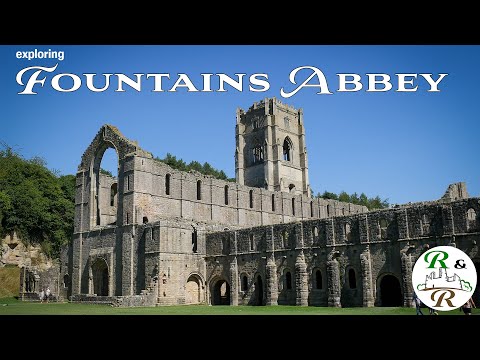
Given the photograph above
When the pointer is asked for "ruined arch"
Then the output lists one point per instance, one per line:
(220, 290)
(108, 137)
(389, 290)
(104, 189)
(99, 277)
(194, 289)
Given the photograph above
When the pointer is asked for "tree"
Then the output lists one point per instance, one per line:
(106, 172)
(370, 203)
(34, 202)
(206, 168)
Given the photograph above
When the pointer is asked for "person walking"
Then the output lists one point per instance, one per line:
(41, 295)
(418, 303)
(467, 307)
(47, 293)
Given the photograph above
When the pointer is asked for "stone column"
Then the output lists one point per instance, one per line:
(333, 280)
(271, 281)
(406, 267)
(366, 267)
(301, 280)
(271, 270)
(128, 238)
(234, 282)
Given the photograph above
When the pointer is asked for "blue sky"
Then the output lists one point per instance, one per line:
(400, 146)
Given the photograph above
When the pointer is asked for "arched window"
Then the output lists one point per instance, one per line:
(194, 240)
(471, 219)
(251, 198)
(225, 246)
(287, 149)
(286, 122)
(145, 220)
(288, 280)
(471, 215)
(328, 210)
(167, 184)
(314, 232)
(244, 283)
(257, 153)
(347, 230)
(285, 239)
(273, 202)
(383, 228)
(311, 208)
(425, 222)
(293, 206)
(352, 279)
(291, 188)
(199, 190)
(318, 280)
(252, 242)
(65, 281)
(226, 194)
(113, 194)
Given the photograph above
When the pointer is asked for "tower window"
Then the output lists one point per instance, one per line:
(287, 149)
(199, 190)
(286, 122)
(226, 194)
(252, 242)
(167, 184)
(311, 208)
(251, 198)
(255, 123)
(273, 202)
(293, 206)
(257, 154)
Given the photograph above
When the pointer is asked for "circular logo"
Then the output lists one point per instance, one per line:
(444, 278)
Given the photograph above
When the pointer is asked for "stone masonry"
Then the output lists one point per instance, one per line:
(159, 236)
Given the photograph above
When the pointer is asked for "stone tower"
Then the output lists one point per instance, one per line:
(270, 148)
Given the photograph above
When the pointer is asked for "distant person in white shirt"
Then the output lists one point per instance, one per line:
(47, 294)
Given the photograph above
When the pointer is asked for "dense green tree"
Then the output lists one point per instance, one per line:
(34, 202)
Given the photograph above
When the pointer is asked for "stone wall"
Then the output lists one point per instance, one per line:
(351, 255)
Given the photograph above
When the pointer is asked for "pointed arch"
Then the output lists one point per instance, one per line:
(287, 149)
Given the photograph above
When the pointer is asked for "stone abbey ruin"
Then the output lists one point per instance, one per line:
(159, 236)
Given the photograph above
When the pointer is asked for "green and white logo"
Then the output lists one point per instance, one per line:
(444, 278)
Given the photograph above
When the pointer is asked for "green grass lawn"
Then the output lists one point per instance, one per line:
(11, 306)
